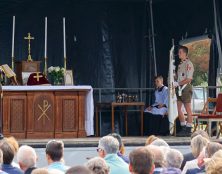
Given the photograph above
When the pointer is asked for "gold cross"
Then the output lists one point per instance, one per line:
(38, 76)
(44, 109)
(29, 38)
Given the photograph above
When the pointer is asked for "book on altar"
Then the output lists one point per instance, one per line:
(8, 71)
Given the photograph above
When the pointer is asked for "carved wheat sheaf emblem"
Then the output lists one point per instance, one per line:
(44, 108)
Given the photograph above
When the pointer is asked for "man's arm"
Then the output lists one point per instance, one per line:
(185, 81)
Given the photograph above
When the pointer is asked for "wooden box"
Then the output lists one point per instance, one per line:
(25, 66)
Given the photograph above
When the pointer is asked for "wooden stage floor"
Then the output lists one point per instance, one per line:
(93, 141)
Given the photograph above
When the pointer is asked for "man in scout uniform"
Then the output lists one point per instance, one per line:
(184, 91)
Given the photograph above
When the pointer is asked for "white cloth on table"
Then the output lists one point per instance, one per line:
(89, 110)
(89, 121)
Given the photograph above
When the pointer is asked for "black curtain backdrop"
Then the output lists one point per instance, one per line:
(106, 43)
(112, 37)
(214, 56)
(173, 19)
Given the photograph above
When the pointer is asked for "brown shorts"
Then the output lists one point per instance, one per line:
(187, 93)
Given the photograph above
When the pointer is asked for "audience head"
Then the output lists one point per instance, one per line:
(197, 145)
(78, 170)
(1, 156)
(108, 145)
(98, 166)
(158, 155)
(8, 152)
(14, 143)
(217, 154)
(159, 142)
(121, 145)
(26, 157)
(200, 132)
(54, 151)
(150, 139)
(174, 158)
(141, 161)
(211, 148)
(214, 167)
(214, 164)
(40, 171)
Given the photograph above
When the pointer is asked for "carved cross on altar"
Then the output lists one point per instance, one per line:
(37, 77)
(29, 38)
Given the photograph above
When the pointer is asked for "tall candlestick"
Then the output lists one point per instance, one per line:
(45, 68)
(13, 42)
(45, 37)
(64, 41)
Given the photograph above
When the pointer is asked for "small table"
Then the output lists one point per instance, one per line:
(125, 105)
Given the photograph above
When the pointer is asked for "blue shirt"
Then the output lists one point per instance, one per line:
(124, 158)
(116, 164)
(171, 170)
(58, 166)
(161, 97)
(8, 168)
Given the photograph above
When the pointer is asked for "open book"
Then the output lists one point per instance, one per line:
(8, 71)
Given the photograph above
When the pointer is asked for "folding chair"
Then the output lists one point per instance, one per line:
(215, 116)
(209, 108)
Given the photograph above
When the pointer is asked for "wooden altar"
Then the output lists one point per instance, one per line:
(30, 112)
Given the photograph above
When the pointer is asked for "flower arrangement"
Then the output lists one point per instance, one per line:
(57, 74)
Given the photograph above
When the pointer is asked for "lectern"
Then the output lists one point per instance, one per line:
(26, 66)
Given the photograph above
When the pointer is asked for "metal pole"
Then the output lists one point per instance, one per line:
(1, 108)
(153, 37)
(217, 34)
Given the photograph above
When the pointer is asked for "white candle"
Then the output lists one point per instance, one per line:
(64, 36)
(13, 36)
(45, 37)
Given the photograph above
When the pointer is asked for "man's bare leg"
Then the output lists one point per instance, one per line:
(180, 113)
(186, 127)
(189, 114)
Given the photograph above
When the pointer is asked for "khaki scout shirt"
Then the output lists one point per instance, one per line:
(185, 70)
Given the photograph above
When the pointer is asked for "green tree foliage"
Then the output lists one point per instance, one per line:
(199, 54)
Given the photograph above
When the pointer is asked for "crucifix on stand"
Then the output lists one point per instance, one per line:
(29, 65)
(29, 38)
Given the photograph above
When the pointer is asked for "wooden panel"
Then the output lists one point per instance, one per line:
(66, 114)
(70, 114)
(14, 114)
(41, 115)
(17, 115)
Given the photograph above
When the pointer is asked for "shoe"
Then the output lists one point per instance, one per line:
(185, 132)
(189, 132)
(182, 132)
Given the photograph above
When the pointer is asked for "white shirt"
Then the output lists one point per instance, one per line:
(161, 97)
